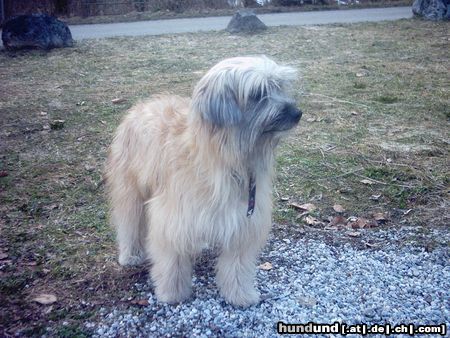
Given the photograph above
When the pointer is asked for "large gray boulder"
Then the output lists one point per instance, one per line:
(36, 31)
(245, 21)
(432, 9)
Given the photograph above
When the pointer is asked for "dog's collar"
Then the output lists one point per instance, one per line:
(251, 196)
(251, 191)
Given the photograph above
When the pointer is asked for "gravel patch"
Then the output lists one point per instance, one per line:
(396, 281)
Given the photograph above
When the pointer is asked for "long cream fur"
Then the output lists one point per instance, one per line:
(178, 178)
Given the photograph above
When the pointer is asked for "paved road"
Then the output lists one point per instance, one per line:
(158, 27)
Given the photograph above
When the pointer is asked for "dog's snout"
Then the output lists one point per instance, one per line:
(293, 112)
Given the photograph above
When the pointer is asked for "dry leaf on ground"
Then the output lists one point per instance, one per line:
(338, 208)
(406, 212)
(266, 266)
(338, 220)
(354, 234)
(142, 302)
(380, 217)
(361, 223)
(45, 299)
(303, 207)
(312, 221)
(31, 263)
(118, 100)
(371, 245)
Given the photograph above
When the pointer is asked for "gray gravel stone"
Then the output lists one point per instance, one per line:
(316, 279)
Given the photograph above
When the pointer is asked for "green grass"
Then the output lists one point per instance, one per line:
(375, 99)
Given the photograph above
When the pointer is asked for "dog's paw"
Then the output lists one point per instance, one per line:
(131, 260)
(172, 296)
(242, 298)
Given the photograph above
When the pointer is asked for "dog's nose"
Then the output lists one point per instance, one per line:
(293, 112)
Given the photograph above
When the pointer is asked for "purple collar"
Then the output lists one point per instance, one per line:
(251, 196)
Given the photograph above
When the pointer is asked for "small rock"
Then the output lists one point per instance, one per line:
(432, 9)
(245, 21)
(36, 31)
(57, 124)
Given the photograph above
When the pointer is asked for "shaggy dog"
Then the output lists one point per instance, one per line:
(183, 173)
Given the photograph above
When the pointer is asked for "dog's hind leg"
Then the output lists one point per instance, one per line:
(128, 217)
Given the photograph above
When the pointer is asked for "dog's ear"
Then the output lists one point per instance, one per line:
(217, 105)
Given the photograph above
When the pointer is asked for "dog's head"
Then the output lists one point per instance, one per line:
(249, 94)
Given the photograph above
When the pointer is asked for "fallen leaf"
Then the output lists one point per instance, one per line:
(380, 217)
(362, 73)
(303, 207)
(300, 216)
(338, 220)
(352, 219)
(352, 225)
(312, 221)
(375, 197)
(361, 223)
(45, 299)
(328, 147)
(51, 207)
(406, 212)
(368, 182)
(338, 208)
(354, 234)
(266, 266)
(371, 245)
(118, 100)
(142, 302)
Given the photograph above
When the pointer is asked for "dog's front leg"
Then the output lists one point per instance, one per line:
(171, 274)
(236, 270)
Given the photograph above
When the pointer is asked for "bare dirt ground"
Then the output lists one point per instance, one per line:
(372, 150)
